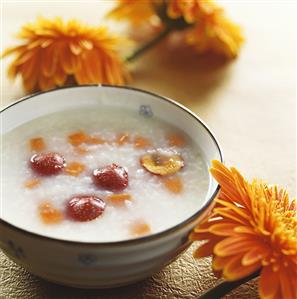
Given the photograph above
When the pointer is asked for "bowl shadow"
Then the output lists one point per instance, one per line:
(181, 74)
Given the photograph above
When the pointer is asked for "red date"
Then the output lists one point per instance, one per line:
(85, 207)
(47, 163)
(112, 178)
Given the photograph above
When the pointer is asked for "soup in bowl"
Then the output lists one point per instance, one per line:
(101, 185)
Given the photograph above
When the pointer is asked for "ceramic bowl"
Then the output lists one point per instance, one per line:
(111, 264)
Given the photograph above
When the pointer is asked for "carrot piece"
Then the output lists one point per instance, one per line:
(173, 184)
(119, 197)
(81, 150)
(49, 214)
(95, 140)
(74, 168)
(142, 142)
(122, 139)
(140, 228)
(78, 138)
(32, 183)
(176, 140)
(37, 144)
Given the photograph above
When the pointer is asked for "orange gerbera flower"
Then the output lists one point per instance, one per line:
(253, 226)
(54, 52)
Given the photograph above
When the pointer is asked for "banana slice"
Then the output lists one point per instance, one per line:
(162, 162)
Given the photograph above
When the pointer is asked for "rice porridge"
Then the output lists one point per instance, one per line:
(100, 175)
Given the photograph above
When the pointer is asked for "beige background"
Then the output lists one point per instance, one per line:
(249, 103)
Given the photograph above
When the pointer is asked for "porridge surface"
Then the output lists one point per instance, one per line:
(151, 202)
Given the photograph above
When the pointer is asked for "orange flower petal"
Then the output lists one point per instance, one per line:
(93, 66)
(238, 210)
(287, 284)
(49, 61)
(24, 57)
(81, 75)
(229, 214)
(75, 48)
(244, 230)
(13, 50)
(206, 249)
(234, 245)
(46, 83)
(204, 226)
(219, 262)
(200, 236)
(30, 73)
(12, 71)
(59, 76)
(223, 229)
(69, 62)
(269, 283)
(255, 255)
(234, 270)
(29, 68)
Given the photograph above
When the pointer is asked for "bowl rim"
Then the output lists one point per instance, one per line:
(133, 241)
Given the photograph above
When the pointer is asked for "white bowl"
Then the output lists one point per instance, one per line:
(110, 264)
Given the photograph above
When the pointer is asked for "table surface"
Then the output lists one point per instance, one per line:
(249, 103)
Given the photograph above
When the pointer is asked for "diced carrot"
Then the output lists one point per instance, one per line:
(30, 184)
(49, 214)
(74, 168)
(81, 150)
(37, 144)
(140, 228)
(78, 138)
(173, 184)
(142, 142)
(176, 140)
(95, 140)
(122, 138)
(119, 198)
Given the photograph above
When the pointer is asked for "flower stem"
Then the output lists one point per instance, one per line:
(150, 44)
(225, 287)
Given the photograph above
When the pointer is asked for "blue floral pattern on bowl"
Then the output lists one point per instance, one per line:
(146, 111)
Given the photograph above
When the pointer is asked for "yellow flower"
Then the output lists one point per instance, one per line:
(54, 52)
(135, 11)
(212, 31)
(253, 226)
(206, 27)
